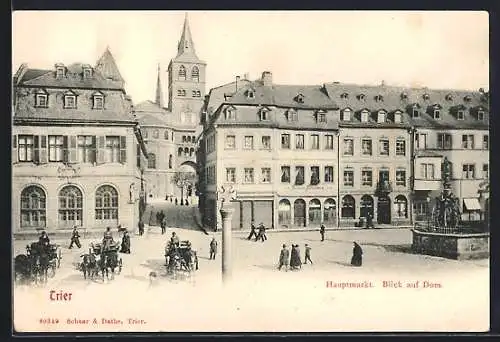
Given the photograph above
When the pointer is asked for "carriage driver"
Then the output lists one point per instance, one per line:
(44, 239)
(107, 239)
(174, 240)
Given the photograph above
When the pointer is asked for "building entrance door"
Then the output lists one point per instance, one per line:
(384, 210)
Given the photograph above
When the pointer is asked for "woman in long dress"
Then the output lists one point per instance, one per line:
(357, 255)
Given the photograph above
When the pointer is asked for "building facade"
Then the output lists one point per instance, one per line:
(302, 155)
(171, 132)
(74, 149)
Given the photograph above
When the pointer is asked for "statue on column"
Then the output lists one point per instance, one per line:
(226, 195)
(446, 172)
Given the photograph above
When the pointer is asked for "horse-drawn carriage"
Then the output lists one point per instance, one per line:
(108, 259)
(39, 263)
(180, 258)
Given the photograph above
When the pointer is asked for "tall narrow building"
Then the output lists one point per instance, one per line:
(171, 132)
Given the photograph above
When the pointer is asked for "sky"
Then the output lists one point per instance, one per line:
(442, 50)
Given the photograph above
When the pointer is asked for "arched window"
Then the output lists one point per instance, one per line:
(179, 151)
(189, 139)
(106, 204)
(182, 73)
(284, 212)
(401, 206)
(70, 207)
(156, 134)
(366, 206)
(151, 161)
(191, 152)
(195, 74)
(166, 134)
(314, 212)
(170, 161)
(186, 151)
(330, 211)
(33, 204)
(299, 212)
(348, 207)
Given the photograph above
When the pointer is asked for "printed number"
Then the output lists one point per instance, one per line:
(49, 320)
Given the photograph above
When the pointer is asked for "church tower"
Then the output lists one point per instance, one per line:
(186, 81)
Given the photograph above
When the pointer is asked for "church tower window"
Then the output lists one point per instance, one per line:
(195, 74)
(182, 73)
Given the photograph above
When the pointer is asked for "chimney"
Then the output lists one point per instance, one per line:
(60, 70)
(237, 80)
(267, 78)
(246, 76)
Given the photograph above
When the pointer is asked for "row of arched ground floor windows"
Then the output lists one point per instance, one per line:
(70, 206)
(347, 209)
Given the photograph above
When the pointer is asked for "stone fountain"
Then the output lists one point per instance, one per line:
(445, 235)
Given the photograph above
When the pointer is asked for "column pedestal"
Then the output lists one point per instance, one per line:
(227, 214)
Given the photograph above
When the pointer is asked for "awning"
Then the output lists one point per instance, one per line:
(472, 204)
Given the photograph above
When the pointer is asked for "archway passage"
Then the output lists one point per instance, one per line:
(299, 212)
(384, 210)
(330, 212)
(314, 212)
(366, 206)
(284, 212)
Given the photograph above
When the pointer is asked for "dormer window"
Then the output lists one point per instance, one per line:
(404, 96)
(415, 112)
(292, 115)
(480, 115)
(60, 70)
(264, 114)
(344, 96)
(449, 97)
(98, 101)
(230, 113)
(397, 117)
(346, 114)
(379, 98)
(364, 115)
(70, 100)
(461, 114)
(467, 98)
(437, 114)
(361, 97)
(426, 97)
(381, 116)
(299, 98)
(250, 94)
(320, 117)
(87, 71)
(41, 99)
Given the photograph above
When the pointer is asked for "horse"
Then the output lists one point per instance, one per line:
(41, 267)
(109, 261)
(191, 259)
(89, 266)
(23, 269)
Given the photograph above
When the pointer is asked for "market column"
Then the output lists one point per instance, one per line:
(226, 195)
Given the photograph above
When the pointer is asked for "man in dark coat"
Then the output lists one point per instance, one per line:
(252, 231)
(322, 232)
(284, 257)
(299, 259)
(125, 243)
(163, 225)
(295, 261)
(107, 239)
(213, 249)
(75, 239)
(369, 221)
(174, 240)
(357, 255)
(141, 227)
(262, 233)
(158, 217)
(308, 254)
(44, 240)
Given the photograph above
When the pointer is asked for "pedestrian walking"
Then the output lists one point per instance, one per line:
(125, 243)
(369, 221)
(75, 239)
(163, 226)
(308, 254)
(357, 255)
(141, 227)
(176, 202)
(284, 257)
(252, 231)
(322, 232)
(295, 261)
(213, 249)
(262, 232)
(158, 217)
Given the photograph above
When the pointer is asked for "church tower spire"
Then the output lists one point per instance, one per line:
(159, 96)
(186, 45)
